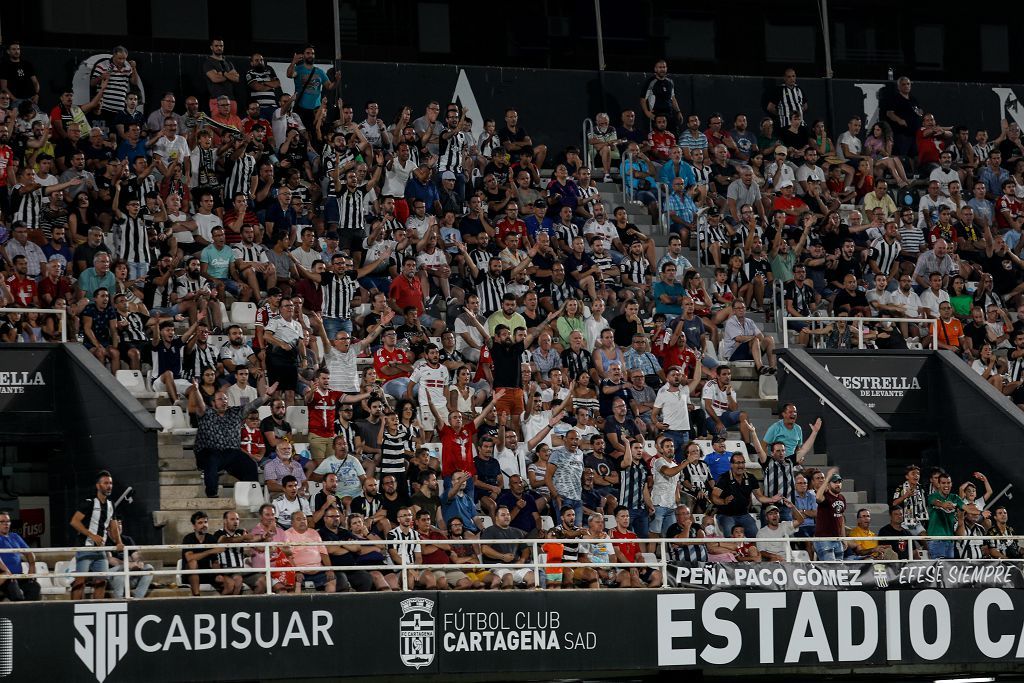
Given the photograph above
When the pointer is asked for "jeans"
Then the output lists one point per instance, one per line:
(378, 282)
(232, 460)
(139, 584)
(940, 550)
(680, 439)
(335, 325)
(395, 388)
(576, 505)
(640, 522)
(727, 522)
(137, 270)
(663, 518)
(828, 550)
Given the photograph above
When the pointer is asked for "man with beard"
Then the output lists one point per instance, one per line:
(220, 74)
(310, 83)
(193, 293)
(507, 375)
(263, 84)
(331, 531)
(231, 558)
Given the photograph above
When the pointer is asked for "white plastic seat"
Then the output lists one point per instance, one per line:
(248, 495)
(174, 420)
(434, 448)
(546, 523)
(263, 412)
(298, 418)
(801, 556)
(486, 522)
(217, 340)
(60, 576)
(609, 522)
(300, 447)
(182, 580)
(649, 558)
(243, 313)
(705, 445)
(651, 446)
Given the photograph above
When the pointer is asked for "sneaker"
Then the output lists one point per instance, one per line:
(432, 300)
(772, 371)
(607, 179)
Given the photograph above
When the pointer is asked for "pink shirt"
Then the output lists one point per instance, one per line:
(259, 558)
(305, 555)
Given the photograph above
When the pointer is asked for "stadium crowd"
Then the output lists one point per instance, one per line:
(474, 328)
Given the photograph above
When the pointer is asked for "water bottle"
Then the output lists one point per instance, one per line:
(889, 73)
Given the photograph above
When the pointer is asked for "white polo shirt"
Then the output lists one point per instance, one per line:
(675, 407)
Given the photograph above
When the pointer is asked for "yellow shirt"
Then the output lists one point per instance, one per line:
(864, 546)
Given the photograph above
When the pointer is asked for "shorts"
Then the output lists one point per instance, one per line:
(233, 287)
(478, 575)
(166, 311)
(427, 421)
(730, 418)
(91, 561)
(518, 575)
(511, 402)
(319, 580)
(180, 385)
(742, 352)
(319, 446)
(124, 347)
(252, 578)
(451, 576)
(285, 374)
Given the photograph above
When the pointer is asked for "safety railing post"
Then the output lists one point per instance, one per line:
(126, 573)
(266, 569)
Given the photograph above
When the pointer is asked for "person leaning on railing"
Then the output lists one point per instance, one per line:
(13, 588)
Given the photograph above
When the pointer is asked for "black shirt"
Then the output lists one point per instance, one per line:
(507, 359)
(740, 492)
(204, 563)
(393, 506)
(797, 140)
(901, 548)
(19, 78)
(346, 559)
(906, 108)
(624, 329)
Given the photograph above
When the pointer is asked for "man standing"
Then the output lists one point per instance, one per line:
(943, 507)
(13, 588)
(671, 412)
(218, 440)
(829, 521)
(94, 522)
(564, 475)
(263, 84)
(310, 83)
(221, 75)
(778, 467)
(732, 496)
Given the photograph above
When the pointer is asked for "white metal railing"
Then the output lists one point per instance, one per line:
(44, 311)
(663, 222)
(628, 161)
(821, 397)
(588, 128)
(857, 323)
(535, 564)
(779, 302)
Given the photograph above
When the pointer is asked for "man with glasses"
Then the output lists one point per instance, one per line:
(13, 588)
(155, 122)
(732, 496)
(169, 147)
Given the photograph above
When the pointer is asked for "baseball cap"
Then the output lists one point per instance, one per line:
(447, 175)
(540, 202)
(718, 439)
(771, 508)
(332, 235)
(785, 183)
(836, 477)
(781, 149)
(714, 211)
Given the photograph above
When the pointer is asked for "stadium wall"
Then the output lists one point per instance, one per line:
(552, 103)
(508, 636)
(63, 409)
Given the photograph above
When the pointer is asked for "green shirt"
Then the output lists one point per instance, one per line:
(782, 266)
(940, 522)
(218, 261)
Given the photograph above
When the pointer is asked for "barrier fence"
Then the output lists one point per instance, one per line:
(662, 561)
(857, 323)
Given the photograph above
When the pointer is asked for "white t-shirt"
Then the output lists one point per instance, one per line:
(344, 372)
(433, 380)
(592, 328)
(397, 177)
(536, 424)
(719, 398)
(663, 492)
(285, 331)
(675, 407)
(931, 301)
(808, 173)
(911, 302)
(851, 141)
(944, 178)
(605, 230)
(175, 149)
(787, 173)
(784, 530)
(431, 260)
(205, 223)
(513, 462)
(460, 327)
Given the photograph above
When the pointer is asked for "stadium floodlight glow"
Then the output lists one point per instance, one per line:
(983, 679)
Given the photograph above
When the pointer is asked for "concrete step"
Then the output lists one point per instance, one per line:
(225, 502)
(182, 491)
(176, 523)
(184, 463)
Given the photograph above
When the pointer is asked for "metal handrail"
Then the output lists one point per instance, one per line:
(588, 128)
(45, 311)
(662, 208)
(858, 324)
(821, 397)
(627, 192)
(535, 564)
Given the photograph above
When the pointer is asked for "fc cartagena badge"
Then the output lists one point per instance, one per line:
(416, 630)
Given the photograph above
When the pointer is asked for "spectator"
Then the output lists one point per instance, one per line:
(745, 341)
(220, 75)
(774, 528)
(290, 501)
(629, 553)
(779, 467)
(117, 75)
(828, 522)
(139, 584)
(201, 559)
(943, 507)
(309, 555)
(866, 550)
(895, 528)
(732, 496)
(511, 555)
(217, 444)
(11, 565)
(311, 82)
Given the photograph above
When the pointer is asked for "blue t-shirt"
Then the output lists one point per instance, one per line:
(310, 97)
(218, 260)
(12, 560)
(718, 464)
(793, 437)
(673, 290)
(808, 501)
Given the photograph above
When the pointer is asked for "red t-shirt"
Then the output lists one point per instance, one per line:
(407, 293)
(928, 149)
(831, 515)
(322, 409)
(661, 142)
(438, 556)
(251, 441)
(384, 357)
(23, 290)
(62, 287)
(485, 360)
(457, 449)
(1011, 204)
(629, 550)
(232, 237)
(6, 155)
(681, 356)
(781, 203)
(505, 226)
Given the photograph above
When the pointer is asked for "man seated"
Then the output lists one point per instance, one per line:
(309, 555)
(775, 551)
(635, 577)
(510, 554)
(866, 550)
(744, 340)
(290, 502)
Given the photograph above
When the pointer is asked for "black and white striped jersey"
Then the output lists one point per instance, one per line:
(338, 293)
(131, 240)
(240, 177)
(450, 152)
(351, 209)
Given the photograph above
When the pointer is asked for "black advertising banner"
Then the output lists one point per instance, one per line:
(854, 627)
(26, 380)
(895, 383)
(799, 576)
(542, 631)
(506, 635)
